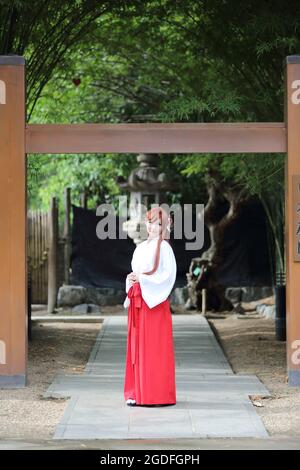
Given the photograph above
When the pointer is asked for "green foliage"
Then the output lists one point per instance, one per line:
(154, 61)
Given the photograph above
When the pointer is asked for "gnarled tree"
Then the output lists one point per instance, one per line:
(203, 270)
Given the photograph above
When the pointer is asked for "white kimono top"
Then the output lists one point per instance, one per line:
(155, 287)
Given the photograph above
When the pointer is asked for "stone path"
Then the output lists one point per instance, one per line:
(212, 401)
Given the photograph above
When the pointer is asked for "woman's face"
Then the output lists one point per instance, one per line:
(153, 228)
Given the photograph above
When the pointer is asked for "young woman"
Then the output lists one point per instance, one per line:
(150, 361)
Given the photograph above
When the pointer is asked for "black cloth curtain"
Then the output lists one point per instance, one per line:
(106, 263)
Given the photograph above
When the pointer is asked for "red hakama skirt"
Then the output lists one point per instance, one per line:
(150, 359)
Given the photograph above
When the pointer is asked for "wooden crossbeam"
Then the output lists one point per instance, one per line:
(251, 137)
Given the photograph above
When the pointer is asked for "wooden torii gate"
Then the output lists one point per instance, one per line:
(18, 138)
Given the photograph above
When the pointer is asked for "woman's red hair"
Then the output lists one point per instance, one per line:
(158, 213)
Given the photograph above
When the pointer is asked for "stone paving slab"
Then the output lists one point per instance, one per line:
(212, 401)
(73, 385)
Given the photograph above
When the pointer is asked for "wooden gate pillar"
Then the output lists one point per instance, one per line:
(292, 216)
(13, 220)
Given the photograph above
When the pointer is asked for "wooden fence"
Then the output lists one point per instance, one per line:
(38, 252)
(48, 252)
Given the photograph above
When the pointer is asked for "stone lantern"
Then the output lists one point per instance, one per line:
(146, 186)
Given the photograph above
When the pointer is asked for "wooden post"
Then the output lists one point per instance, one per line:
(67, 235)
(52, 258)
(83, 199)
(204, 302)
(13, 230)
(292, 192)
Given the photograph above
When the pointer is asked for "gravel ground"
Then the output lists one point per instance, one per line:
(248, 342)
(55, 348)
(251, 348)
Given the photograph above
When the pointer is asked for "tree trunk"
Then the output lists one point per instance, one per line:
(203, 270)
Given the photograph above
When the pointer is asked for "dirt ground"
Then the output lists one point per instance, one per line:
(248, 342)
(55, 348)
(251, 348)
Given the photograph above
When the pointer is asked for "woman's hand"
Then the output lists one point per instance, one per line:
(133, 277)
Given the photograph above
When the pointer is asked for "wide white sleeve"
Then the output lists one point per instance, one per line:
(126, 301)
(157, 287)
(127, 284)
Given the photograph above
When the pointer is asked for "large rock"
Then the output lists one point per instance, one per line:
(268, 311)
(234, 294)
(86, 309)
(105, 295)
(248, 294)
(179, 295)
(69, 296)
